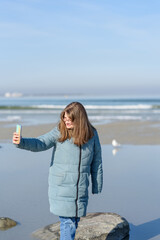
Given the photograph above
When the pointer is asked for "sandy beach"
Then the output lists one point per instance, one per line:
(125, 132)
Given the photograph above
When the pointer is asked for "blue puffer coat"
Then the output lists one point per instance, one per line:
(69, 171)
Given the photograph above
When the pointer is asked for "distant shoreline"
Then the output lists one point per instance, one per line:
(125, 132)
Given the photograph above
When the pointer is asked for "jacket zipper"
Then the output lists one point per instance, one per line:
(78, 181)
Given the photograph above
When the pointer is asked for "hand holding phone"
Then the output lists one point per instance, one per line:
(17, 135)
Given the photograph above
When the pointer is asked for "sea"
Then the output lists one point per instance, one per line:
(31, 110)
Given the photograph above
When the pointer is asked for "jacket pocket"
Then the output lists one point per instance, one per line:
(56, 179)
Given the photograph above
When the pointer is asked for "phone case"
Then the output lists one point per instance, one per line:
(19, 131)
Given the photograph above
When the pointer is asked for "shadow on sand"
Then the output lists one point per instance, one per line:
(145, 231)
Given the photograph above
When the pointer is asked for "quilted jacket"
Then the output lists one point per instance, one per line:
(69, 171)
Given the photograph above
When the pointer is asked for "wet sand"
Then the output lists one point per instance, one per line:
(125, 132)
(131, 183)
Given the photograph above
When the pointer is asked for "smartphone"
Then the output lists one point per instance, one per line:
(19, 131)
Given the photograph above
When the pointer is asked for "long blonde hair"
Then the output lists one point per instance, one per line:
(82, 130)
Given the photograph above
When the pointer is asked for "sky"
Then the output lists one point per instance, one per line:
(80, 46)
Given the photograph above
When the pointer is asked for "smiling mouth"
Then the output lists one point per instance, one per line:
(68, 125)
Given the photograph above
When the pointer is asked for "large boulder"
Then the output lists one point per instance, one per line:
(97, 226)
(6, 223)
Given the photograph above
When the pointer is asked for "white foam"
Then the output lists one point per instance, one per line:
(105, 107)
(99, 118)
(10, 119)
(49, 106)
(27, 112)
(13, 118)
(119, 107)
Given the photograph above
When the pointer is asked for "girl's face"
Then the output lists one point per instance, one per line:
(67, 121)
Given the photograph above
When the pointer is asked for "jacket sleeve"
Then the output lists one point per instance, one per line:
(96, 167)
(40, 143)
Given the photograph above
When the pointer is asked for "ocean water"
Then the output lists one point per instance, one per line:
(100, 109)
(131, 189)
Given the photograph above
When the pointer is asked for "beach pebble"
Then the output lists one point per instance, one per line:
(110, 226)
(6, 223)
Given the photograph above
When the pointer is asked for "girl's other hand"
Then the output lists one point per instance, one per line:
(16, 138)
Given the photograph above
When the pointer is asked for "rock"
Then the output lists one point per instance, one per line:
(6, 223)
(97, 226)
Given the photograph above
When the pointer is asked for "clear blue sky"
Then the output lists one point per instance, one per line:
(99, 46)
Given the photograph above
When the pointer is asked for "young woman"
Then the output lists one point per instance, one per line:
(76, 155)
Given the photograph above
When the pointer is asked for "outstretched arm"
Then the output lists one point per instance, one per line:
(40, 143)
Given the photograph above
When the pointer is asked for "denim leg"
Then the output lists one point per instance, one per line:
(68, 226)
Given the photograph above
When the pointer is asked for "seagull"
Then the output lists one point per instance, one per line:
(115, 143)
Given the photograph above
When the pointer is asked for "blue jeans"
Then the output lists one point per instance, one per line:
(68, 226)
